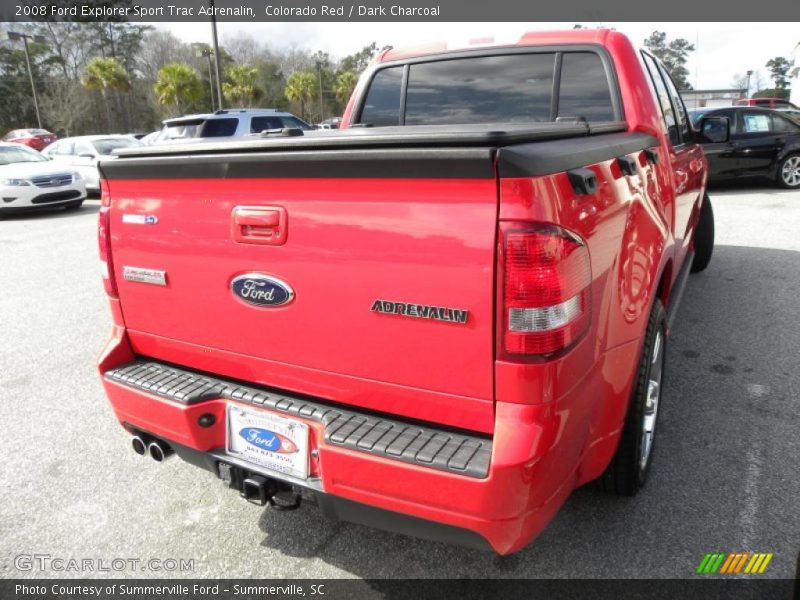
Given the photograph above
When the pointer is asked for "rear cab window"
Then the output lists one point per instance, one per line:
(382, 105)
(520, 87)
(584, 89)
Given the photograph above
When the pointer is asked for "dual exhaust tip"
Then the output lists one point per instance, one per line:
(157, 449)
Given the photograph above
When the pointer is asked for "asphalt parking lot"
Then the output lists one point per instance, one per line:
(726, 475)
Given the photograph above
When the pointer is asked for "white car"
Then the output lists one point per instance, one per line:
(83, 153)
(29, 180)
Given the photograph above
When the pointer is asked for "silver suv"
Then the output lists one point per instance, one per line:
(226, 123)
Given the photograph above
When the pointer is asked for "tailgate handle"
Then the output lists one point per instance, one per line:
(259, 225)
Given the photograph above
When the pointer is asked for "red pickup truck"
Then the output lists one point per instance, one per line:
(440, 319)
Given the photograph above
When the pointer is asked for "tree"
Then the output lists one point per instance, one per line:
(673, 54)
(242, 88)
(300, 87)
(360, 60)
(106, 75)
(178, 85)
(779, 70)
(63, 103)
(345, 84)
(162, 48)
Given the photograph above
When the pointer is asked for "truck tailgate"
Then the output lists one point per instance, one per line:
(385, 261)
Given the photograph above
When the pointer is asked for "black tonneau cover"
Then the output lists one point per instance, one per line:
(493, 134)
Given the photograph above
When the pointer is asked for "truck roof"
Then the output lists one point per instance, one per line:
(531, 38)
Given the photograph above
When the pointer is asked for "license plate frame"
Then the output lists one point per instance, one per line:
(267, 440)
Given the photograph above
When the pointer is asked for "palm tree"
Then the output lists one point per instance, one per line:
(106, 75)
(300, 87)
(242, 88)
(345, 84)
(178, 85)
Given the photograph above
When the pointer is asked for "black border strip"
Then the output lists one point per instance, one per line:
(544, 158)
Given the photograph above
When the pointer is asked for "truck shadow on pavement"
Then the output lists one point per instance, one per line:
(727, 437)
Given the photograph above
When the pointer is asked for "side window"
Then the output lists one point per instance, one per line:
(294, 122)
(382, 106)
(662, 98)
(754, 124)
(677, 103)
(219, 128)
(259, 124)
(584, 88)
(63, 149)
(781, 125)
(84, 148)
(485, 89)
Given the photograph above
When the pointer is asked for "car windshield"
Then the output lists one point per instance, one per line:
(107, 146)
(10, 156)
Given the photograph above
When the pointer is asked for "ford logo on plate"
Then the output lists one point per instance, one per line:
(268, 440)
(261, 290)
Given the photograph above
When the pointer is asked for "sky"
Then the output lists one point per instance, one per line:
(722, 49)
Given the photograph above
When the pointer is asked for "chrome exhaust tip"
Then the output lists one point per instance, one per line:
(159, 451)
(139, 445)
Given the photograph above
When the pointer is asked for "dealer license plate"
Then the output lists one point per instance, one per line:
(268, 440)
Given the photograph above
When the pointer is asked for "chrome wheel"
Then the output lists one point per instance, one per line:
(790, 172)
(652, 400)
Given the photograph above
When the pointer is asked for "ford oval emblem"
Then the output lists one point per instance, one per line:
(268, 440)
(261, 290)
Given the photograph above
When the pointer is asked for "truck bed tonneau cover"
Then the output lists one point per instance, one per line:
(494, 134)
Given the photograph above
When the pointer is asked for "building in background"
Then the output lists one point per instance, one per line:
(712, 98)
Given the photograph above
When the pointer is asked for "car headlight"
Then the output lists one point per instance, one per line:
(14, 182)
(76, 177)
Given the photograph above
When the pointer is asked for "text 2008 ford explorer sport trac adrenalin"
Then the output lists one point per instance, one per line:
(441, 318)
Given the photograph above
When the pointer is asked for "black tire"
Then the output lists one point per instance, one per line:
(704, 237)
(794, 183)
(628, 470)
(73, 205)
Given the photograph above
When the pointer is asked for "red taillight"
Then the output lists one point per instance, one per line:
(104, 242)
(546, 290)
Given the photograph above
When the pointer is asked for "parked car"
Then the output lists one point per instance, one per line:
(29, 181)
(467, 325)
(84, 152)
(33, 138)
(763, 143)
(228, 123)
(765, 102)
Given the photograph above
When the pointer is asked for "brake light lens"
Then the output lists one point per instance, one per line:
(546, 290)
(104, 242)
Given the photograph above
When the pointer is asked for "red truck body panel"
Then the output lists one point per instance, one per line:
(348, 243)
(554, 422)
